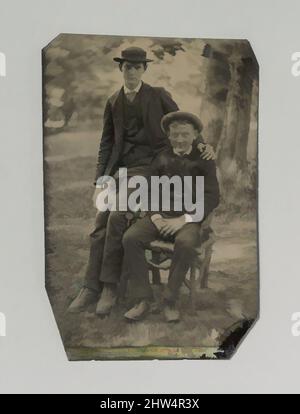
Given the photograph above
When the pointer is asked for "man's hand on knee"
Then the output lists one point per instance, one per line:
(171, 226)
(158, 221)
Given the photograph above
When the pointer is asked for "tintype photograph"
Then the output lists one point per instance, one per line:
(150, 195)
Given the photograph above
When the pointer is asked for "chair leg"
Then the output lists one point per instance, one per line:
(156, 280)
(205, 272)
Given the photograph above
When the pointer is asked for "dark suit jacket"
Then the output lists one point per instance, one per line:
(169, 164)
(156, 102)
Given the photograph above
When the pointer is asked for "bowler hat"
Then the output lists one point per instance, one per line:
(180, 116)
(134, 55)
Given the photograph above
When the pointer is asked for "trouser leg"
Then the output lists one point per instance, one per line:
(135, 241)
(97, 241)
(106, 251)
(116, 226)
(186, 241)
(113, 250)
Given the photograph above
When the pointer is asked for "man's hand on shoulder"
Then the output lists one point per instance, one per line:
(207, 151)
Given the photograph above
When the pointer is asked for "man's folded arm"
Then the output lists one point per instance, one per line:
(106, 143)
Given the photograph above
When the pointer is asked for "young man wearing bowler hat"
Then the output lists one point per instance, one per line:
(131, 137)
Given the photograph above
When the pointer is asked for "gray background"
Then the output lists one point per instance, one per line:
(32, 357)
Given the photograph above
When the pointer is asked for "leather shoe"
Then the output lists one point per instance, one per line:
(84, 298)
(138, 311)
(107, 300)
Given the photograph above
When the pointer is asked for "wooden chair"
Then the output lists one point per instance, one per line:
(197, 278)
(159, 256)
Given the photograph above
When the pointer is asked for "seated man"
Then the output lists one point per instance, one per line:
(182, 160)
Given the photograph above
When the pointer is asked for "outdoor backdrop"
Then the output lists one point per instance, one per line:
(215, 79)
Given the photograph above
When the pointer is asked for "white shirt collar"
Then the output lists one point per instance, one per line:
(136, 89)
(185, 153)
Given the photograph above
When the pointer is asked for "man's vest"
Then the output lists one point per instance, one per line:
(137, 149)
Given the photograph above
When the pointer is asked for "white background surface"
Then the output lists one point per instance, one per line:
(32, 357)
